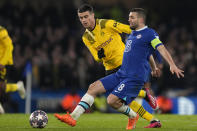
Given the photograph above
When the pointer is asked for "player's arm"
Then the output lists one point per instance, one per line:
(155, 71)
(93, 51)
(7, 46)
(157, 44)
(152, 63)
(166, 55)
(118, 27)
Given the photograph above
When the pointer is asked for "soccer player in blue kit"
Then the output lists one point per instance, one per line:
(125, 84)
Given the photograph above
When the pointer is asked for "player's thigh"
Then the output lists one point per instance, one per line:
(110, 82)
(96, 88)
(128, 90)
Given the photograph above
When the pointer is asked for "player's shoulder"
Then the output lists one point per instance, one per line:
(103, 22)
(106, 23)
(150, 30)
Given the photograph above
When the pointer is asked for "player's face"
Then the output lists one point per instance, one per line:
(133, 20)
(87, 19)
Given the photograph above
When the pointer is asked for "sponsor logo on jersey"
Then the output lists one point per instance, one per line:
(139, 36)
(104, 43)
(116, 91)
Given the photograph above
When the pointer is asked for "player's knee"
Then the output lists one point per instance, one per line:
(96, 88)
(111, 100)
(91, 89)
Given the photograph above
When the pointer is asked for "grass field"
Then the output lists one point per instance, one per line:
(98, 122)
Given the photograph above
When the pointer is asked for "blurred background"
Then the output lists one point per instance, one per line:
(47, 42)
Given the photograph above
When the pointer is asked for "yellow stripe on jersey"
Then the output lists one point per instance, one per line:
(155, 42)
(102, 23)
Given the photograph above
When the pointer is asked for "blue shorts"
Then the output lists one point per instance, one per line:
(148, 78)
(124, 88)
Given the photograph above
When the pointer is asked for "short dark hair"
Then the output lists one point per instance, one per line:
(84, 8)
(141, 12)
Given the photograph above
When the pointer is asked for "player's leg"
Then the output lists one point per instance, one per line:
(86, 102)
(140, 110)
(88, 99)
(126, 91)
(142, 94)
(148, 94)
(150, 98)
(12, 87)
(119, 105)
(2, 88)
(1, 109)
(19, 86)
(154, 122)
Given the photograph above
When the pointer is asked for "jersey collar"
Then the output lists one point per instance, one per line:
(142, 28)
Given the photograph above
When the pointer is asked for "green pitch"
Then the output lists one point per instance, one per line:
(98, 122)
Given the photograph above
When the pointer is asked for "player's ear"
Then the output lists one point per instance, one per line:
(92, 14)
(141, 20)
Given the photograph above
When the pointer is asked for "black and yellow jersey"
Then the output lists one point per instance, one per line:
(106, 35)
(6, 48)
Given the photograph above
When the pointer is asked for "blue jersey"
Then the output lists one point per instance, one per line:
(139, 46)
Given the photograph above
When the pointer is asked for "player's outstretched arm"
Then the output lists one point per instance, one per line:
(166, 55)
(155, 71)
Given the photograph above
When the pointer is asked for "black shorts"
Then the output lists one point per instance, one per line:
(108, 72)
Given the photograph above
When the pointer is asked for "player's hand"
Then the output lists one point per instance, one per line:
(177, 71)
(2, 67)
(156, 72)
(101, 53)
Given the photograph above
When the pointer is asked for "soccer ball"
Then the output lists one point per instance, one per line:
(38, 119)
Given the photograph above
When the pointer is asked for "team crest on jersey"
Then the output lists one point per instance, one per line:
(139, 36)
(128, 46)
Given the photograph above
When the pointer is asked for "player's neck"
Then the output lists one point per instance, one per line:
(140, 27)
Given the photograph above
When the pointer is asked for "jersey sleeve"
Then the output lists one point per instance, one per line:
(154, 39)
(91, 49)
(7, 47)
(118, 27)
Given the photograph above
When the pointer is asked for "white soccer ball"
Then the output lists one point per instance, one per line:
(38, 119)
